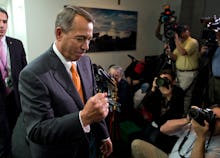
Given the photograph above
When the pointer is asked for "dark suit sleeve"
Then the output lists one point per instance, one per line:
(99, 129)
(38, 106)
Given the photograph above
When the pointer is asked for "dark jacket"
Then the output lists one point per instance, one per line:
(154, 101)
(17, 63)
(51, 105)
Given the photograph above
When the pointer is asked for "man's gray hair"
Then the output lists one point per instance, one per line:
(66, 16)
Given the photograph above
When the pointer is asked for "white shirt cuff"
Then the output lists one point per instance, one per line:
(86, 129)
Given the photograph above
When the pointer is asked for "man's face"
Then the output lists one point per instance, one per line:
(3, 24)
(165, 90)
(217, 125)
(75, 43)
(115, 74)
(184, 35)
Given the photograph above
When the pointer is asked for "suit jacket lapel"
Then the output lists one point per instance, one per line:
(63, 78)
(83, 72)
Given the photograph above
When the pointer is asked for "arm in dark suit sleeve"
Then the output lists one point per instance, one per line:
(100, 129)
(39, 115)
(23, 55)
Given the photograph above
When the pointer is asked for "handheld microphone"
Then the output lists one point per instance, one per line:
(106, 75)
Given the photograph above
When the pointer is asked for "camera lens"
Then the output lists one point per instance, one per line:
(197, 115)
(160, 82)
(193, 113)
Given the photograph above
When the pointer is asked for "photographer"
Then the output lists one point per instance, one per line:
(195, 140)
(186, 57)
(214, 86)
(206, 90)
(164, 102)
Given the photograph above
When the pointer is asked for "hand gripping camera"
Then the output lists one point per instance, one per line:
(200, 115)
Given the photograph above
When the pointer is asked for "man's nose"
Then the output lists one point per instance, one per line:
(85, 45)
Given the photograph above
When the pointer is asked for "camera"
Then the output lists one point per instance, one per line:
(163, 82)
(174, 28)
(167, 16)
(211, 26)
(199, 115)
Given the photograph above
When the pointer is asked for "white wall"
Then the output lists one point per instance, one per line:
(40, 17)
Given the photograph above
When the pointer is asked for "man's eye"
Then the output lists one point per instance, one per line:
(80, 38)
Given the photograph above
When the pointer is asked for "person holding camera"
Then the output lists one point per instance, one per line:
(186, 57)
(166, 21)
(214, 86)
(163, 102)
(195, 140)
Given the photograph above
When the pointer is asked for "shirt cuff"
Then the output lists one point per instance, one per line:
(86, 129)
(103, 140)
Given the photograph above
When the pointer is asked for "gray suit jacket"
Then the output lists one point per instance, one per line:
(51, 105)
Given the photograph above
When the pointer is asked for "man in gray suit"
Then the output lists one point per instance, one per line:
(58, 122)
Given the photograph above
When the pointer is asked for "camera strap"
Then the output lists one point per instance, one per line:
(183, 142)
(189, 148)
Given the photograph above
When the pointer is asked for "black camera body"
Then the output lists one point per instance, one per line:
(167, 16)
(200, 115)
(174, 28)
(211, 26)
(163, 82)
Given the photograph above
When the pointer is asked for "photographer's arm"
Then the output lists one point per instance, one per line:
(172, 126)
(157, 31)
(198, 150)
(178, 45)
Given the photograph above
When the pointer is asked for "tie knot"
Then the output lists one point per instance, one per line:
(73, 67)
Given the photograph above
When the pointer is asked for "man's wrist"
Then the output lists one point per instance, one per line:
(86, 128)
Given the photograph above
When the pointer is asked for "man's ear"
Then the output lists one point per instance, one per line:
(58, 33)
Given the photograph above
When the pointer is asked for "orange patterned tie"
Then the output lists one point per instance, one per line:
(76, 81)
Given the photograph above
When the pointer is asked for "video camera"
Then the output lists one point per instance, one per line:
(211, 26)
(175, 28)
(163, 82)
(168, 18)
(199, 115)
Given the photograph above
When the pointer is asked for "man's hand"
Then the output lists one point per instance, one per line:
(201, 131)
(106, 147)
(198, 150)
(96, 109)
(154, 85)
(204, 49)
